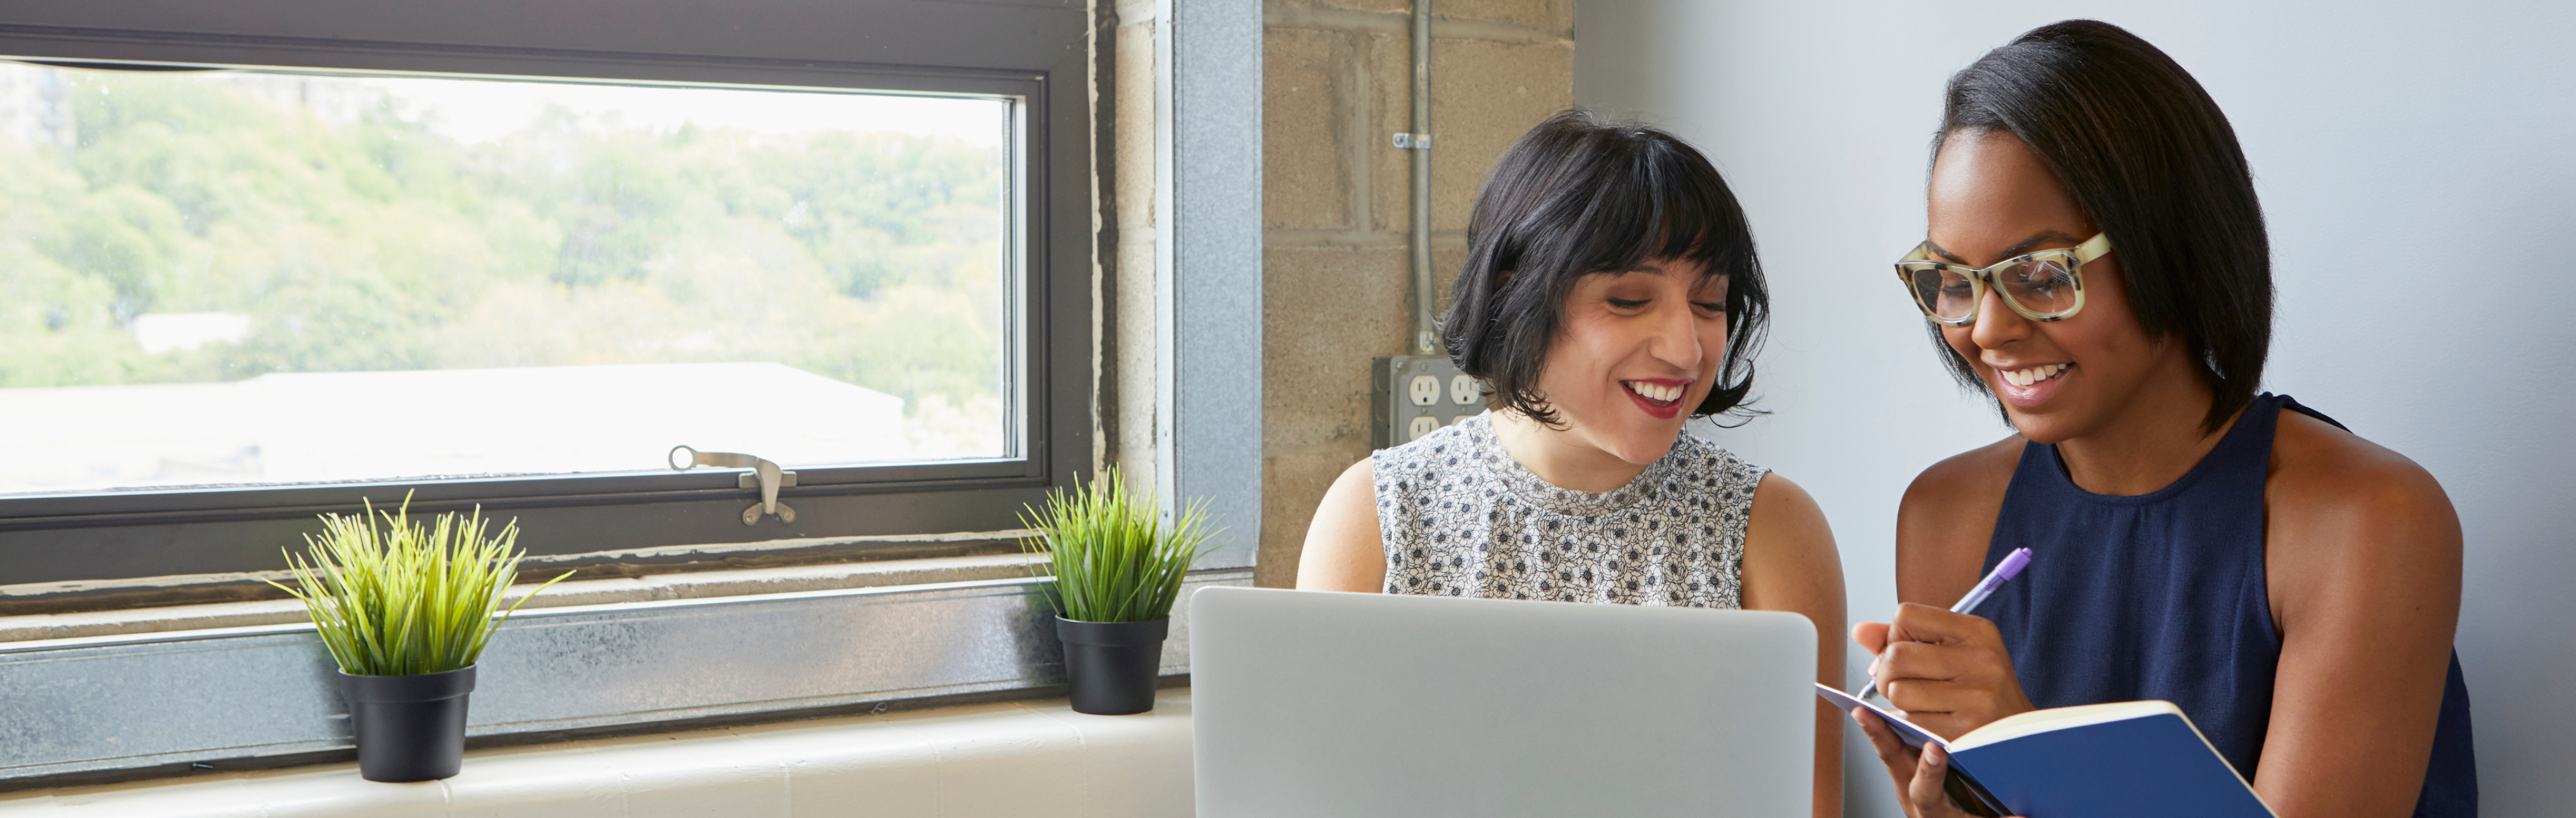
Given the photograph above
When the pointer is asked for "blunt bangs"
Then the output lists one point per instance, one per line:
(1576, 196)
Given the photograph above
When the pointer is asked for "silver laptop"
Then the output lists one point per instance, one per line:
(1313, 704)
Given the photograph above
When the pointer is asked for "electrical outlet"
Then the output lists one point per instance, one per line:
(1423, 389)
(1420, 425)
(1414, 395)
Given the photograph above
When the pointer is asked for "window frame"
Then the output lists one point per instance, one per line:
(1033, 50)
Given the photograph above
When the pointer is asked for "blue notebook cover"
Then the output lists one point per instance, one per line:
(2145, 766)
(2141, 759)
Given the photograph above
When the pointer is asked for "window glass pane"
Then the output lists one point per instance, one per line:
(231, 277)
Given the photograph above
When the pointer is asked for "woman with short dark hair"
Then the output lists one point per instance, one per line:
(2096, 262)
(1610, 294)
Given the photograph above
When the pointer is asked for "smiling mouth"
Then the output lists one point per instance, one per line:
(2026, 377)
(1656, 394)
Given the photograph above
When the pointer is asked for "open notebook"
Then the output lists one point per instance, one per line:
(2142, 759)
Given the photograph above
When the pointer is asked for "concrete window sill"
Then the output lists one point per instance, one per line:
(1002, 760)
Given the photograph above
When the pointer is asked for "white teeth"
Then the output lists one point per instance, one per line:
(2026, 377)
(1654, 392)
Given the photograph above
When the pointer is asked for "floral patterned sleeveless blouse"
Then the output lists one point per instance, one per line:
(1460, 517)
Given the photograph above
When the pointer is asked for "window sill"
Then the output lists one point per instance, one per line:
(139, 705)
(1007, 759)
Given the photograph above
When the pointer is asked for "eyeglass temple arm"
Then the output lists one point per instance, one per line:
(2093, 248)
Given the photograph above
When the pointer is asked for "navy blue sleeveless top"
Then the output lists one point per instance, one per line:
(2162, 596)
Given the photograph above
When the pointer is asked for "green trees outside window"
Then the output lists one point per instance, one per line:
(344, 224)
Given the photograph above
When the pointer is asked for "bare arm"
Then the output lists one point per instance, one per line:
(1344, 551)
(1958, 676)
(1790, 564)
(2363, 564)
(1949, 672)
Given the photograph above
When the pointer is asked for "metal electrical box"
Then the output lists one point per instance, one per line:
(1412, 395)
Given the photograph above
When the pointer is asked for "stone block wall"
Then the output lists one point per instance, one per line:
(1338, 83)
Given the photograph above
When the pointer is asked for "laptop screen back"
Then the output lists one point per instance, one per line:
(1362, 705)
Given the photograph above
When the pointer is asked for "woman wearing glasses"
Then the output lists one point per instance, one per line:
(1610, 294)
(2097, 262)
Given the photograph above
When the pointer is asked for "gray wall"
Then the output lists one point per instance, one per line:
(2417, 164)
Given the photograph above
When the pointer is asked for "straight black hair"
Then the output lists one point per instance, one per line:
(2146, 153)
(1578, 195)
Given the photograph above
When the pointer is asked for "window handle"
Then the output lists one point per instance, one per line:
(764, 475)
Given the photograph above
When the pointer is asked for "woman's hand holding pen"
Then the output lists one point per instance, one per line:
(1947, 671)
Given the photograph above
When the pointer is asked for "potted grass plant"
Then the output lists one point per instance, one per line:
(1118, 568)
(405, 608)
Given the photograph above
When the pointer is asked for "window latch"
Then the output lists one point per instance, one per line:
(764, 475)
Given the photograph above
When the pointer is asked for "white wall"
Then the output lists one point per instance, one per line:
(2417, 164)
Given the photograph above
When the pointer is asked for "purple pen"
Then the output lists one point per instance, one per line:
(2003, 573)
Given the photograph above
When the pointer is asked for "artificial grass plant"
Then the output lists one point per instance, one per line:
(1113, 557)
(407, 597)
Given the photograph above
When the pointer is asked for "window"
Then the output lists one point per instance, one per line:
(511, 263)
(100, 707)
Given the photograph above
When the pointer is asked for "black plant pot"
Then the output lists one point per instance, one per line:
(410, 728)
(1112, 664)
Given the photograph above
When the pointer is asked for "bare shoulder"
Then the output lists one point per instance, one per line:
(1778, 499)
(1785, 518)
(1971, 477)
(2337, 505)
(1344, 550)
(1790, 562)
(1947, 518)
(2319, 468)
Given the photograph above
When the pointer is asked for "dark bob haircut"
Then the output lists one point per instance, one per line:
(2147, 154)
(1577, 195)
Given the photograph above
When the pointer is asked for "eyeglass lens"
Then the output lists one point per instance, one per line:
(2044, 286)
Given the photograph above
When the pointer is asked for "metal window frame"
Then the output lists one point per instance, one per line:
(1032, 50)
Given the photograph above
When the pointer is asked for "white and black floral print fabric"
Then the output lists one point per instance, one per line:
(1460, 517)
